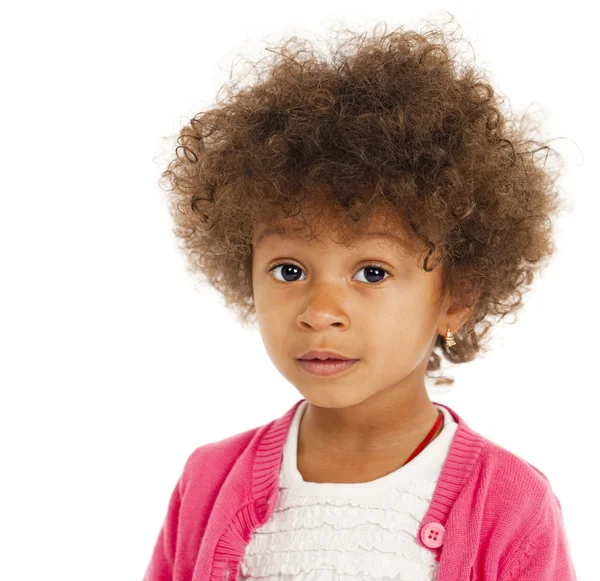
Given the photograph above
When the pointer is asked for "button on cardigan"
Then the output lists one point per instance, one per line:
(492, 515)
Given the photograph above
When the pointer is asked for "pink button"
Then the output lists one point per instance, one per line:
(432, 535)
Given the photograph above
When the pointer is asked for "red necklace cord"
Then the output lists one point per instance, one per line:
(428, 438)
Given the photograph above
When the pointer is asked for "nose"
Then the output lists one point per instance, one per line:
(322, 311)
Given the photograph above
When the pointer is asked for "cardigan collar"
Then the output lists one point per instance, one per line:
(249, 494)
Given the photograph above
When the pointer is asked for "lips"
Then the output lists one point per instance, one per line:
(323, 355)
(328, 367)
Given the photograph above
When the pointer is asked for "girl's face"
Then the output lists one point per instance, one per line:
(371, 302)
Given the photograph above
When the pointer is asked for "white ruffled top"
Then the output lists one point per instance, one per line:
(322, 531)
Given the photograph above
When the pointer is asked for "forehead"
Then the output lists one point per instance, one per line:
(279, 232)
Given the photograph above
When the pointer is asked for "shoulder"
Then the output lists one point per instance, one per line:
(214, 460)
(512, 473)
(522, 513)
(515, 496)
(500, 491)
(498, 477)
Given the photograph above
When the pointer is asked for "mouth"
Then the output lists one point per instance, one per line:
(327, 367)
(326, 359)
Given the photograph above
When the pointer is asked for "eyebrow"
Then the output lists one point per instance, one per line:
(278, 233)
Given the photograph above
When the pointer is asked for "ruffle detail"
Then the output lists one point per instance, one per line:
(366, 538)
(414, 499)
(336, 518)
(367, 564)
(370, 536)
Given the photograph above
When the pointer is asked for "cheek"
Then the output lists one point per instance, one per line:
(410, 300)
(259, 290)
(271, 318)
(407, 318)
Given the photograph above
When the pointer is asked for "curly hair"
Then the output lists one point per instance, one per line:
(389, 119)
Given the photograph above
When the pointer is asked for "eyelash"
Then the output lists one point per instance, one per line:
(379, 266)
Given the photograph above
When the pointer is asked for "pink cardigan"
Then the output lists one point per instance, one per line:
(493, 516)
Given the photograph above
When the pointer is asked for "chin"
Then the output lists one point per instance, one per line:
(332, 396)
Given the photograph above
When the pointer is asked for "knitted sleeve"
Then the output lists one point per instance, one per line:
(162, 561)
(543, 552)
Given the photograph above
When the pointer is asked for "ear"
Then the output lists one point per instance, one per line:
(453, 320)
(456, 312)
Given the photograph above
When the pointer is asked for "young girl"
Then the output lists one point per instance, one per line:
(374, 213)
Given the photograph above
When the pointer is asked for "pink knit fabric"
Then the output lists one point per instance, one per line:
(500, 518)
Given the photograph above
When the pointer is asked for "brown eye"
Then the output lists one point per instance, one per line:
(287, 270)
(290, 272)
(374, 271)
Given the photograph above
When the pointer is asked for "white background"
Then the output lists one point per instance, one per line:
(114, 367)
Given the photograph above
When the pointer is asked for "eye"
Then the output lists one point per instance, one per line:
(291, 270)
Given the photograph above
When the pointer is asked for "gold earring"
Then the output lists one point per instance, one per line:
(450, 339)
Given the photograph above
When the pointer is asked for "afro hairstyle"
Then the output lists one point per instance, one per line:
(390, 119)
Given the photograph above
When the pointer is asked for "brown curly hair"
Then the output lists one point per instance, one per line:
(390, 119)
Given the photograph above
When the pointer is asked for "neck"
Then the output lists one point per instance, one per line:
(391, 420)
